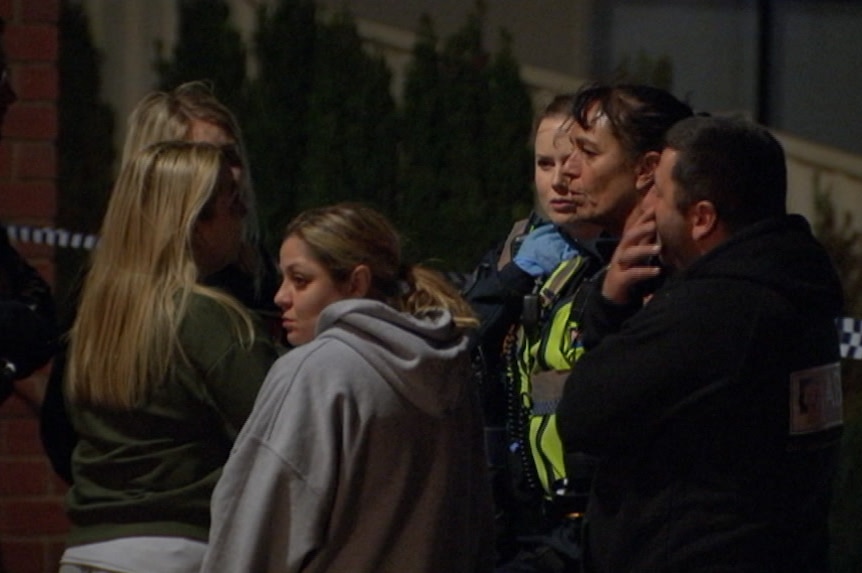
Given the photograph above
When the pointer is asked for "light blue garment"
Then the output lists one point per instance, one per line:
(543, 250)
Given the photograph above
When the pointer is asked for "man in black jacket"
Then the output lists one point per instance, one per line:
(716, 408)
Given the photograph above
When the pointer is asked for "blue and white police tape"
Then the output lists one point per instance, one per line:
(849, 329)
(51, 237)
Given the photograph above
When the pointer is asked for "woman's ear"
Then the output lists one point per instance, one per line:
(359, 282)
(645, 171)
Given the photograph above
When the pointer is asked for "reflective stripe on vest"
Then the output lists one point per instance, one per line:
(543, 365)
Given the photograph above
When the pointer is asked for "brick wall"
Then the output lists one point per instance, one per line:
(32, 522)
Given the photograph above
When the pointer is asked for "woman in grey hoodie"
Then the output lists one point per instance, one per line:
(364, 451)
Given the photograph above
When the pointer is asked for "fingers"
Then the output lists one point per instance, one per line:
(626, 272)
(641, 231)
(635, 259)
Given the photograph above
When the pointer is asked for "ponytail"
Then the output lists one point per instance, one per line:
(428, 290)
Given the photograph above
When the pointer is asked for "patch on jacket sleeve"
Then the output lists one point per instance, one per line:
(816, 402)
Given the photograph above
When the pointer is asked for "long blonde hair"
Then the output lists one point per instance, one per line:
(125, 337)
(341, 237)
(168, 116)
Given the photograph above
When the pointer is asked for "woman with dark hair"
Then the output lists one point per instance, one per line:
(613, 136)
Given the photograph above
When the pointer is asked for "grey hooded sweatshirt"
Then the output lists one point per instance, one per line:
(363, 454)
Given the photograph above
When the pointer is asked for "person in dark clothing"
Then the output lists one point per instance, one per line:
(602, 149)
(28, 319)
(691, 401)
(189, 112)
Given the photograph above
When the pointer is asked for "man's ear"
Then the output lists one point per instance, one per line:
(645, 171)
(359, 282)
(704, 220)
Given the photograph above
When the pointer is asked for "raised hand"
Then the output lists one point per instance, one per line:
(634, 260)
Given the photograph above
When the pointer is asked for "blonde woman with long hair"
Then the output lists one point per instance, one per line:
(190, 112)
(162, 370)
(364, 451)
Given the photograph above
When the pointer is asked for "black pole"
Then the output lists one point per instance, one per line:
(764, 61)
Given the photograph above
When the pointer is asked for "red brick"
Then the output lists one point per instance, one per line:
(6, 10)
(53, 552)
(31, 121)
(32, 42)
(32, 391)
(21, 436)
(23, 556)
(34, 517)
(23, 477)
(40, 11)
(45, 267)
(5, 161)
(14, 408)
(35, 160)
(39, 555)
(36, 199)
(35, 253)
(57, 485)
(36, 82)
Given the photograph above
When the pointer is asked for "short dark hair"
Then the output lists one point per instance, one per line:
(733, 163)
(639, 115)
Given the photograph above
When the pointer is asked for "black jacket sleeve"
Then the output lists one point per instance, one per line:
(56, 431)
(602, 316)
(28, 319)
(497, 297)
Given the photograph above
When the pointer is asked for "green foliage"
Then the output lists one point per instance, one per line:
(85, 149)
(208, 48)
(845, 527)
(644, 69)
(352, 144)
(844, 244)
(321, 124)
(466, 160)
(442, 181)
(509, 165)
(276, 126)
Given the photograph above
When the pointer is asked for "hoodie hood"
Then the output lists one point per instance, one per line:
(424, 359)
(782, 255)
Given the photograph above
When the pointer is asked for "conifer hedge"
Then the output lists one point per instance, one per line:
(450, 162)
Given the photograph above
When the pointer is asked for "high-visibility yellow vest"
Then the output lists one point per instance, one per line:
(547, 347)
